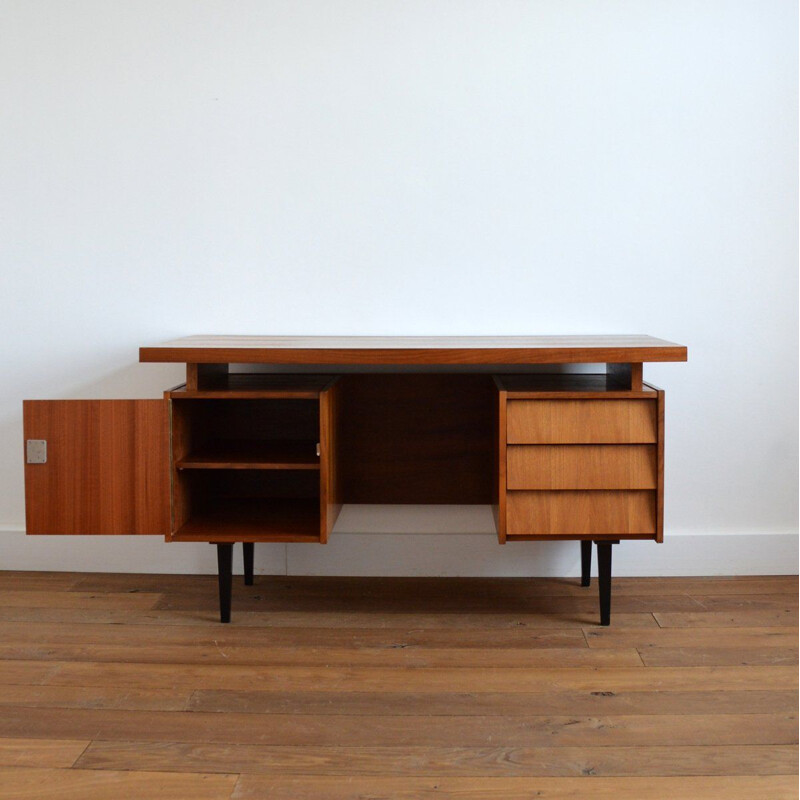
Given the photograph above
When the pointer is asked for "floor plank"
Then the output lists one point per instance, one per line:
(41, 752)
(508, 704)
(322, 619)
(438, 679)
(21, 783)
(717, 656)
(113, 697)
(231, 635)
(361, 731)
(490, 761)
(618, 637)
(734, 619)
(401, 656)
(256, 787)
(68, 600)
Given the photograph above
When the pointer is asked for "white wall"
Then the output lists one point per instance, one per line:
(401, 167)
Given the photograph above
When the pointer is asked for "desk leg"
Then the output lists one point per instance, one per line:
(248, 549)
(604, 579)
(586, 562)
(225, 569)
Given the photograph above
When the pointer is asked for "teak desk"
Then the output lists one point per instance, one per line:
(271, 455)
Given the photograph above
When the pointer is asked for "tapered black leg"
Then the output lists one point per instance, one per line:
(604, 580)
(225, 568)
(586, 562)
(248, 549)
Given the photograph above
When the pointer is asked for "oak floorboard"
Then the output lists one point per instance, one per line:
(262, 600)
(734, 619)
(261, 787)
(323, 587)
(232, 635)
(109, 697)
(389, 704)
(23, 783)
(69, 600)
(688, 637)
(361, 731)
(321, 619)
(717, 656)
(41, 752)
(28, 581)
(403, 656)
(488, 761)
(425, 679)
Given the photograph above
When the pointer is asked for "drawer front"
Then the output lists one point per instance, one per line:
(579, 466)
(581, 421)
(561, 513)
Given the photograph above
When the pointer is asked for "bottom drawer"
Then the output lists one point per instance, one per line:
(543, 513)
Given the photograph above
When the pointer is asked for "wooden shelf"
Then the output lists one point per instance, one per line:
(257, 386)
(563, 385)
(253, 454)
(253, 520)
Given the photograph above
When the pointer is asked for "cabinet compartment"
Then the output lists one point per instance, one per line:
(245, 434)
(255, 469)
(249, 505)
(579, 466)
(539, 514)
(582, 421)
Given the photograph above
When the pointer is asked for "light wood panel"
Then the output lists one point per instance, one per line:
(581, 513)
(582, 421)
(582, 467)
(107, 469)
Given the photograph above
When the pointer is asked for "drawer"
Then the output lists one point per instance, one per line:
(581, 421)
(581, 466)
(545, 513)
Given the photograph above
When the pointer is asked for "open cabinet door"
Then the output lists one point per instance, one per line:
(105, 467)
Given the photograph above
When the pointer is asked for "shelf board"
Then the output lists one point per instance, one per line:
(256, 385)
(566, 385)
(253, 520)
(253, 454)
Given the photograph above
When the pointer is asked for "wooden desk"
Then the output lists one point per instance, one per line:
(271, 455)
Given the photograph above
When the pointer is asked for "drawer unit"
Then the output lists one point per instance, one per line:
(580, 466)
(578, 462)
(541, 514)
(582, 421)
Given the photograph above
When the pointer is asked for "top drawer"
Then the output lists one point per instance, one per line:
(581, 421)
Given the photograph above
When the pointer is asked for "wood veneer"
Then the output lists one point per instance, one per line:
(107, 469)
(581, 513)
(414, 350)
(582, 421)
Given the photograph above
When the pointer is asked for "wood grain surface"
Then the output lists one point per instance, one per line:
(126, 686)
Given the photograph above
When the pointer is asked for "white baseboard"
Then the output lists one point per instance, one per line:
(411, 540)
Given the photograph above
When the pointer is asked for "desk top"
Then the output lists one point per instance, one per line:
(414, 350)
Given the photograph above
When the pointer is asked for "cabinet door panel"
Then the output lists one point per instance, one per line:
(107, 467)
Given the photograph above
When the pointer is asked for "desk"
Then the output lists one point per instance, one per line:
(271, 454)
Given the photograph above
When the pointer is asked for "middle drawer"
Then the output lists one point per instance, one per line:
(578, 466)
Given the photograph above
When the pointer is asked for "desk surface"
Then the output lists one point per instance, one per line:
(414, 350)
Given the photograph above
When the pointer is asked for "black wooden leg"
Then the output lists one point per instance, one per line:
(248, 548)
(586, 562)
(604, 580)
(225, 568)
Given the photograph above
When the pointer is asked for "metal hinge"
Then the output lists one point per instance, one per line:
(36, 451)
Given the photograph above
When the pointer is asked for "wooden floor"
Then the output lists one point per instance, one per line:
(126, 686)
